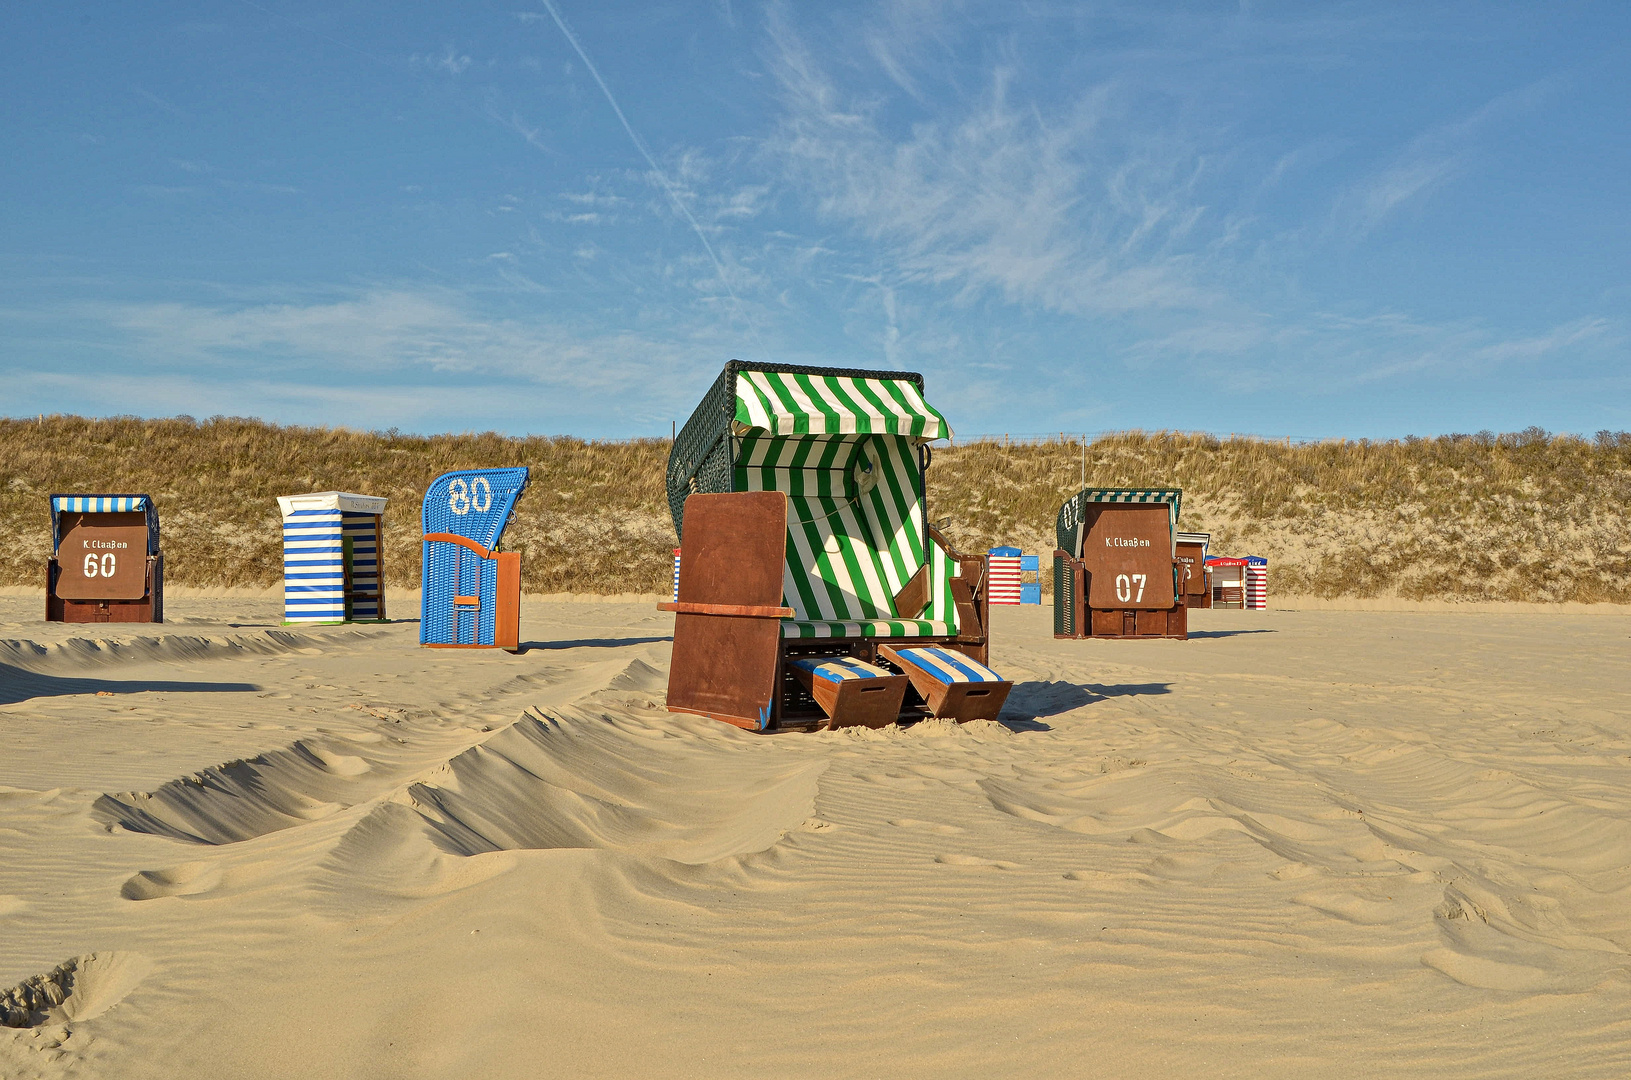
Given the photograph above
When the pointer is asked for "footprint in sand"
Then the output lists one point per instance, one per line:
(954, 859)
(80, 988)
(926, 826)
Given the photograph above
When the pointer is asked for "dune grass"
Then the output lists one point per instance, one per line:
(1526, 516)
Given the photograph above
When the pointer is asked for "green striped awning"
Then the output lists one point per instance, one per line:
(1071, 514)
(784, 403)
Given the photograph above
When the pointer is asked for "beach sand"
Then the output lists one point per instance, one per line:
(1302, 844)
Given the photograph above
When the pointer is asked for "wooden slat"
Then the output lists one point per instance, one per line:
(752, 611)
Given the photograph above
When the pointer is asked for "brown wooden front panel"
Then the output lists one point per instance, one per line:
(102, 556)
(1178, 622)
(1204, 597)
(148, 609)
(734, 548)
(1107, 623)
(507, 602)
(725, 666)
(1127, 552)
(1191, 556)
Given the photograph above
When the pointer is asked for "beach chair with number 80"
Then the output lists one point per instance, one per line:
(471, 591)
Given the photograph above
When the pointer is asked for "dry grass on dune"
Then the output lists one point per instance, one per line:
(593, 520)
(1525, 516)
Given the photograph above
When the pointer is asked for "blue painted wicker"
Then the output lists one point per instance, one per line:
(475, 504)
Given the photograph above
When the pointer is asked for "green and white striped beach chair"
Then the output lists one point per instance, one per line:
(858, 561)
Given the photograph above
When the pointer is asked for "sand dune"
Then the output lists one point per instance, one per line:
(1302, 844)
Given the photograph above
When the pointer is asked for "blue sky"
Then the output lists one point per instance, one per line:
(563, 217)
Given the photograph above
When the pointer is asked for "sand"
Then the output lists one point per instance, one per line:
(1301, 844)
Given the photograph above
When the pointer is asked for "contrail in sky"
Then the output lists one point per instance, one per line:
(639, 144)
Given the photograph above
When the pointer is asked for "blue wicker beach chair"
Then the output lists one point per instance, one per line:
(798, 497)
(471, 591)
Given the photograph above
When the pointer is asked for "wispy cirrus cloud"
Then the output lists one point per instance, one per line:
(446, 355)
(995, 195)
(450, 60)
(1429, 162)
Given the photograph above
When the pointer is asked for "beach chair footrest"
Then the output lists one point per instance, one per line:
(851, 692)
(954, 685)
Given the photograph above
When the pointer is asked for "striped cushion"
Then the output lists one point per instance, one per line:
(840, 668)
(950, 666)
(884, 628)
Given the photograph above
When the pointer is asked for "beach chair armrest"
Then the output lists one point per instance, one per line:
(746, 611)
(914, 595)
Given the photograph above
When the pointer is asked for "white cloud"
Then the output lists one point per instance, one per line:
(1428, 163)
(373, 358)
(449, 60)
(993, 195)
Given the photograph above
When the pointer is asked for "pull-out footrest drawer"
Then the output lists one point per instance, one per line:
(953, 684)
(850, 691)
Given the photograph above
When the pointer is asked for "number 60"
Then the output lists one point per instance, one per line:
(103, 566)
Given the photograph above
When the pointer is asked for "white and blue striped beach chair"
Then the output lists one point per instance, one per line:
(333, 545)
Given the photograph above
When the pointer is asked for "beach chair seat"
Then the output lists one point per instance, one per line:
(955, 685)
(877, 628)
(853, 693)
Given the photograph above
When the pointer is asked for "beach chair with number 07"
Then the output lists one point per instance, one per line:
(471, 591)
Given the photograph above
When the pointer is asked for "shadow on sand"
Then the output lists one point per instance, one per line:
(592, 643)
(1193, 634)
(1029, 702)
(18, 686)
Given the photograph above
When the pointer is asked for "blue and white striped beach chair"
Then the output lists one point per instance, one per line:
(332, 550)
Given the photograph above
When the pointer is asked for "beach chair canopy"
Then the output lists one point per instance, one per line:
(1074, 512)
(104, 504)
(845, 447)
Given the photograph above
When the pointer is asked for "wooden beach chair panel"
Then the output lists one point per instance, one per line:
(852, 692)
(1191, 549)
(728, 615)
